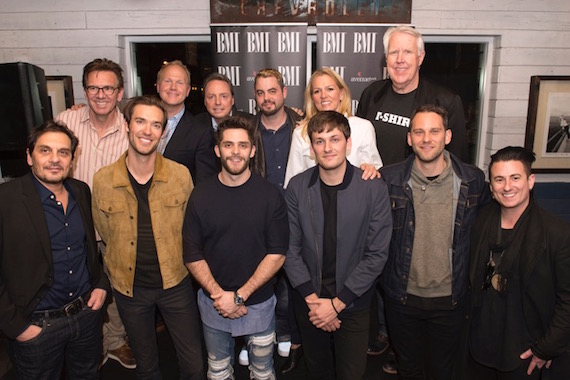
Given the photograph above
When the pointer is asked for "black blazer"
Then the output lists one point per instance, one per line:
(26, 262)
(192, 146)
(544, 270)
(206, 118)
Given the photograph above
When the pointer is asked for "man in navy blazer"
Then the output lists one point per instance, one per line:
(186, 140)
(52, 285)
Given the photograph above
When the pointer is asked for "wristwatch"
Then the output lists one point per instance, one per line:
(238, 300)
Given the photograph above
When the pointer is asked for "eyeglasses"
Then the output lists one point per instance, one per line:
(107, 90)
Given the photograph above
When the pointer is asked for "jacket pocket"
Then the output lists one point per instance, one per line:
(174, 207)
(469, 212)
(115, 213)
(398, 211)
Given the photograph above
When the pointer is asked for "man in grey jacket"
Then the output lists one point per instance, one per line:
(340, 228)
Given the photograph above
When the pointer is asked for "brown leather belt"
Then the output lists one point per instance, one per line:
(67, 310)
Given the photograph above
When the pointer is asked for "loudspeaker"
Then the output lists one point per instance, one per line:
(24, 105)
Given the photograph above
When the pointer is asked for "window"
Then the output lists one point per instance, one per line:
(460, 63)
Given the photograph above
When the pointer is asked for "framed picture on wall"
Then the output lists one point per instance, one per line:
(311, 11)
(548, 123)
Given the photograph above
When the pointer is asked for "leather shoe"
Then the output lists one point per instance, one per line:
(378, 346)
(391, 365)
(124, 356)
(295, 356)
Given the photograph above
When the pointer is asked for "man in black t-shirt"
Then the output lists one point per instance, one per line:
(235, 239)
(388, 104)
(340, 228)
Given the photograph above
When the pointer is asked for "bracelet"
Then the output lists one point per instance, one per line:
(334, 308)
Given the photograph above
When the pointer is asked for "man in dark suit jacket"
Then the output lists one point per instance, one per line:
(52, 285)
(219, 101)
(186, 140)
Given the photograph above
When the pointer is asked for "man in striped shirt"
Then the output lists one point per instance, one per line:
(102, 133)
(100, 127)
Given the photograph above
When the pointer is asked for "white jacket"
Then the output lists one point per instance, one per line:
(364, 150)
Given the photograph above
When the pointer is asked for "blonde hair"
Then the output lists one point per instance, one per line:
(172, 63)
(270, 73)
(310, 108)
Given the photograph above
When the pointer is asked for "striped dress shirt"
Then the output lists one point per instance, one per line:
(93, 152)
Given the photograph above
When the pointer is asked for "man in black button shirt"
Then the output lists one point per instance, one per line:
(52, 284)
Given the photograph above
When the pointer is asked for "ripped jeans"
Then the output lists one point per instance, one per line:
(220, 346)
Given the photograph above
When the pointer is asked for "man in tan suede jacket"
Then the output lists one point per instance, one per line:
(138, 205)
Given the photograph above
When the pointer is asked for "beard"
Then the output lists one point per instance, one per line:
(45, 175)
(235, 170)
(271, 112)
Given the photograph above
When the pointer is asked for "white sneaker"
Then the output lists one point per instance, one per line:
(243, 358)
(283, 349)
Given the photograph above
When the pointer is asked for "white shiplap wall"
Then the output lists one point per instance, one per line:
(531, 37)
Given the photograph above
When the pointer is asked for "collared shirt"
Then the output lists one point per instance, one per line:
(257, 319)
(68, 249)
(169, 130)
(93, 152)
(276, 148)
(215, 123)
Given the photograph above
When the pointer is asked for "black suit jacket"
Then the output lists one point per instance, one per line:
(192, 146)
(26, 262)
(206, 118)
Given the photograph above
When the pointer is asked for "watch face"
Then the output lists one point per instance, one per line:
(238, 300)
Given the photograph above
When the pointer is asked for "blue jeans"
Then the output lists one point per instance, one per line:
(77, 339)
(285, 323)
(180, 313)
(220, 346)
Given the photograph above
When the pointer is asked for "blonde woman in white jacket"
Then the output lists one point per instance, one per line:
(327, 91)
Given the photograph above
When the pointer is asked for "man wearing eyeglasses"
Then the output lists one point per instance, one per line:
(102, 133)
(100, 127)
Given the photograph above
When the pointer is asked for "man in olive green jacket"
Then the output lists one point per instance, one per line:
(138, 207)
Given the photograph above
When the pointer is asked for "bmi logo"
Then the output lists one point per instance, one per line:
(252, 106)
(339, 70)
(232, 72)
(288, 42)
(258, 42)
(290, 74)
(227, 42)
(334, 42)
(365, 42)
